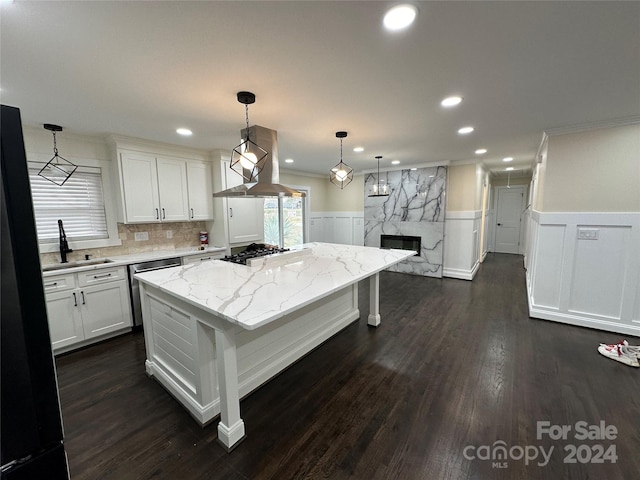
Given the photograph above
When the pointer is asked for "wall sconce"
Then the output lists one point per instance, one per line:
(342, 174)
(58, 169)
(248, 158)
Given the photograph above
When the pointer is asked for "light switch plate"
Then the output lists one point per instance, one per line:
(169, 233)
(141, 236)
(588, 233)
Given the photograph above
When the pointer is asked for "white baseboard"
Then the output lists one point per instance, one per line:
(461, 274)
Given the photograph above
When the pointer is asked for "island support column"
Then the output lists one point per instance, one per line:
(231, 426)
(374, 300)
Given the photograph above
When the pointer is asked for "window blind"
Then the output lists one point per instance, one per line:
(79, 203)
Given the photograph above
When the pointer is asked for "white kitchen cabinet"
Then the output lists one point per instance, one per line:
(199, 181)
(154, 188)
(172, 189)
(140, 187)
(245, 216)
(190, 259)
(65, 322)
(105, 308)
(86, 305)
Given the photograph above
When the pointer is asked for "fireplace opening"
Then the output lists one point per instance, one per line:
(401, 242)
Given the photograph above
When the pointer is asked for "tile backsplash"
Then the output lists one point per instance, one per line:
(183, 235)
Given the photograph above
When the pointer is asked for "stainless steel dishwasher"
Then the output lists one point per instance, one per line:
(134, 287)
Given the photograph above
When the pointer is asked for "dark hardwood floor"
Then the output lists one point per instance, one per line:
(455, 367)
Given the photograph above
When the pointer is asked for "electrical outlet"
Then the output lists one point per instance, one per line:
(588, 233)
(169, 233)
(141, 236)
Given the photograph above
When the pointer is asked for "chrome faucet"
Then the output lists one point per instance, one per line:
(64, 245)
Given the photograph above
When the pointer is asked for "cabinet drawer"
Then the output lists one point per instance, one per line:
(201, 258)
(101, 275)
(59, 283)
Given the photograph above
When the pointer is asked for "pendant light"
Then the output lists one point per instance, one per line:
(248, 158)
(342, 174)
(58, 169)
(379, 189)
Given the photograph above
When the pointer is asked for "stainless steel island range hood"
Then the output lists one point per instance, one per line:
(268, 184)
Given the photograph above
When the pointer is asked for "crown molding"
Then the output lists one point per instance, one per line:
(584, 127)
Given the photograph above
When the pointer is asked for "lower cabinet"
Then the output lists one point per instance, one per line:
(202, 257)
(86, 305)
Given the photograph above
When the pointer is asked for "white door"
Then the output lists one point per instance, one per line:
(509, 207)
(172, 188)
(140, 186)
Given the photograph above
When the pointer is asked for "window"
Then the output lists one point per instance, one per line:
(285, 220)
(79, 203)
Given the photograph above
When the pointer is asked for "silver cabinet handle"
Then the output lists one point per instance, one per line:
(157, 214)
(192, 213)
(52, 284)
(75, 300)
(231, 212)
(82, 293)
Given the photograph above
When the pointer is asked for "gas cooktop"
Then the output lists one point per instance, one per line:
(242, 257)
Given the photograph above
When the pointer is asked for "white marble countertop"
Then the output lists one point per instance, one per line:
(255, 296)
(119, 260)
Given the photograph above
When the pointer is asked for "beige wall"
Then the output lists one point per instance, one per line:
(325, 196)
(593, 171)
(461, 188)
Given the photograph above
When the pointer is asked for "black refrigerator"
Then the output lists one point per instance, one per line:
(32, 437)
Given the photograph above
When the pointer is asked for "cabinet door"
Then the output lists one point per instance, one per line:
(199, 181)
(105, 308)
(65, 323)
(245, 215)
(172, 188)
(140, 187)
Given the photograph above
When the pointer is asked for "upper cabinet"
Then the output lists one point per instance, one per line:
(199, 175)
(162, 184)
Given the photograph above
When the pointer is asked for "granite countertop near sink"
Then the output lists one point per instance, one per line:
(120, 260)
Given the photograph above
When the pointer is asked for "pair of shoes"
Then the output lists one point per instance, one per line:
(621, 352)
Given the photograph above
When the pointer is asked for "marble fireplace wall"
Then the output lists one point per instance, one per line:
(415, 207)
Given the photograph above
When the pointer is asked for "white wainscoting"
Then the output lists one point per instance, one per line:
(588, 282)
(461, 244)
(337, 227)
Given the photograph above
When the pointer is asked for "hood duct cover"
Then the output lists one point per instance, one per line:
(268, 184)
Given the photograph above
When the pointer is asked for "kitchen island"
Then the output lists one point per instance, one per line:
(216, 331)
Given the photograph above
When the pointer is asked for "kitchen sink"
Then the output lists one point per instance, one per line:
(80, 263)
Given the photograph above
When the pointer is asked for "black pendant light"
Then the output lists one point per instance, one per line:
(379, 189)
(58, 169)
(248, 158)
(342, 174)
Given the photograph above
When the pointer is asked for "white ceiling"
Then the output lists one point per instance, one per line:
(144, 69)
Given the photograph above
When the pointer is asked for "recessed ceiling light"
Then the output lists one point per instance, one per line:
(184, 131)
(395, 162)
(451, 101)
(481, 151)
(508, 169)
(358, 149)
(288, 160)
(507, 159)
(414, 168)
(465, 130)
(400, 17)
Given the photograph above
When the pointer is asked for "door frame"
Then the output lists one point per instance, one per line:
(523, 203)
